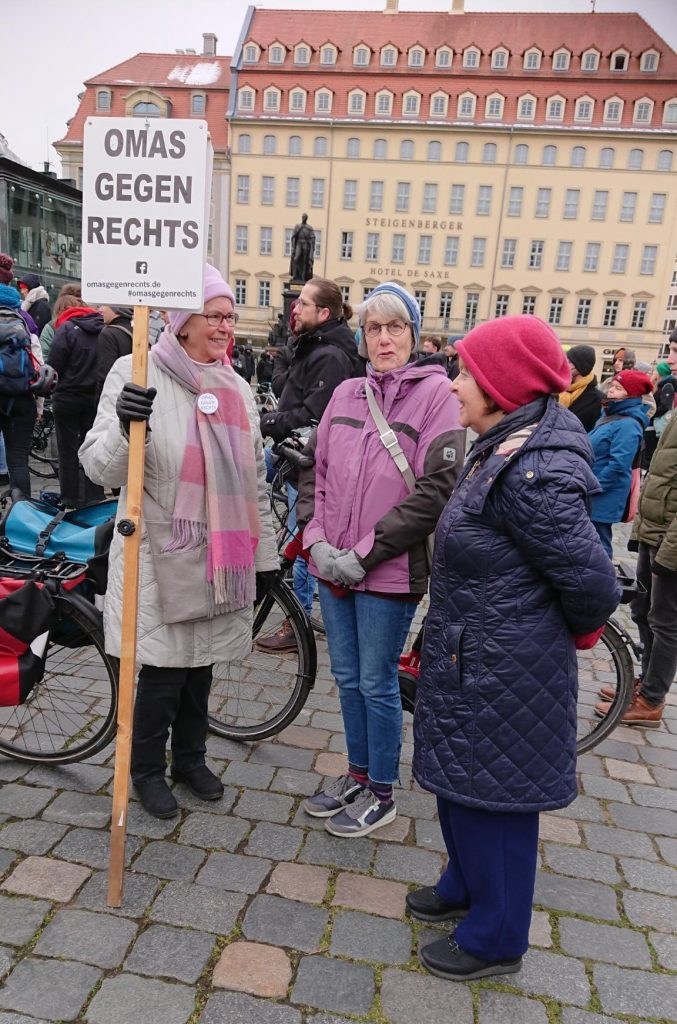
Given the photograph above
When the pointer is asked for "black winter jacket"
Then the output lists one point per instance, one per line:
(588, 406)
(74, 353)
(114, 342)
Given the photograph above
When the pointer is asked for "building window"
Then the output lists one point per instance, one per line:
(472, 301)
(564, 250)
(327, 55)
(434, 151)
(561, 60)
(244, 144)
(509, 253)
(421, 295)
(664, 162)
(620, 260)
(411, 103)
(555, 109)
(606, 157)
(610, 312)
(269, 145)
(376, 195)
(388, 57)
(346, 245)
(318, 244)
(438, 106)
(466, 106)
(251, 54)
(479, 246)
(373, 239)
(501, 308)
(471, 58)
(397, 255)
(317, 192)
(599, 204)
(536, 254)
(297, 101)
(529, 305)
(515, 201)
(494, 108)
(425, 246)
(416, 58)
(555, 310)
(639, 311)
(384, 103)
(591, 261)
(295, 145)
(406, 149)
(429, 198)
(489, 153)
(293, 186)
(549, 156)
(670, 113)
(451, 251)
(243, 188)
(271, 100)
(266, 242)
(619, 61)
(590, 61)
(267, 190)
(245, 99)
(276, 54)
(357, 103)
(264, 293)
(302, 55)
(353, 149)
(146, 110)
(521, 154)
(461, 152)
(649, 61)
(648, 265)
(628, 206)
(366, 292)
(583, 312)
(402, 197)
(527, 108)
(345, 293)
(456, 198)
(322, 102)
(612, 111)
(499, 60)
(103, 100)
(443, 58)
(198, 103)
(446, 302)
(571, 199)
(543, 197)
(320, 146)
(643, 111)
(532, 60)
(349, 194)
(578, 156)
(657, 208)
(361, 56)
(584, 109)
(288, 232)
(240, 291)
(241, 239)
(380, 149)
(483, 208)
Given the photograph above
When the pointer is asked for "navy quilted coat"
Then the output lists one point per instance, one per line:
(518, 571)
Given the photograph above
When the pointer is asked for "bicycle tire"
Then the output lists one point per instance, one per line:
(71, 714)
(42, 466)
(609, 661)
(263, 693)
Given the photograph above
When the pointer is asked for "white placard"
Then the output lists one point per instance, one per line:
(145, 197)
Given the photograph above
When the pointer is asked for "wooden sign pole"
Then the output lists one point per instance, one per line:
(131, 529)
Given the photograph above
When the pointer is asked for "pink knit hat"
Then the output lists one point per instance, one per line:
(214, 287)
(515, 359)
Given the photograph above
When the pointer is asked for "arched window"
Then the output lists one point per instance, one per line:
(244, 144)
(489, 153)
(434, 151)
(406, 149)
(549, 156)
(380, 149)
(269, 145)
(607, 156)
(461, 152)
(578, 156)
(664, 162)
(353, 148)
(146, 110)
(521, 154)
(295, 145)
(635, 159)
(320, 146)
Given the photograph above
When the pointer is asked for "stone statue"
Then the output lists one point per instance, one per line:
(302, 251)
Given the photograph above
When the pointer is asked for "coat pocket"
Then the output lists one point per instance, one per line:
(181, 576)
(452, 675)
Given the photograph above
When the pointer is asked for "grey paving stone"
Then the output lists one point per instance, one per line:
(588, 764)
(414, 804)
(575, 895)
(407, 997)
(169, 860)
(83, 777)
(48, 988)
(263, 806)
(650, 911)
(618, 749)
(322, 848)
(213, 832)
(334, 985)
(668, 849)
(571, 1015)
(652, 877)
(549, 974)
(654, 796)
(407, 864)
(281, 922)
(653, 820)
(429, 836)
(98, 939)
(170, 953)
(141, 823)
(87, 846)
(661, 738)
(19, 801)
(80, 809)
(326, 1018)
(660, 757)
(666, 949)
(18, 1018)
(365, 937)
(227, 750)
(237, 1008)
(665, 777)
(196, 906)
(644, 993)
(32, 837)
(234, 872)
(129, 998)
(604, 789)
(304, 820)
(619, 841)
(325, 720)
(7, 858)
(338, 745)
(290, 780)
(10, 771)
(6, 961)
(279, 756)
(251, 776)
(584, 808)
(567, 860)
(277, 841)
(188, 801)
(604, 942)
(502, 1008)
(139, 892)
(20, 918)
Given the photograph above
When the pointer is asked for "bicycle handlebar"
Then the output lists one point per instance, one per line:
(295, 457)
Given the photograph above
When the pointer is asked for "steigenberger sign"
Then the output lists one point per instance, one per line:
(146, 185)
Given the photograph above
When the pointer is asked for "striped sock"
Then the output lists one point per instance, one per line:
(359, 774)
(382, 791)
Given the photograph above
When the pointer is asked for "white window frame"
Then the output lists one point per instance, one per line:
(582, 116)
(451, 248)
(388, 57)
(604, 160)
(572, 199)
(484, 200)
(493, 107)
(478, 251)
(613, 61)
(263, 294)
(265, 241)
(619, 261)
(515, 200)
(323, 101)
(267, 190)
(564, 253)
(556, 59)
(320, 147)
(350, 194)
(327, 51)
(271, 100)
(247, 145)
(242, 239)
(593, 251)
(359, 53)
(471, 58)
(425, 249)
(639, 313)
(555, 310)
(528, 305)
(276, 53)
(456, 199)
(398, 248)
(240, 291)
(555, 109)
(583, 310)
(611, 310)
(297, 101)
(103, 107)
(292, 191)
(600, 204)
(245, 98)
(642, 112)
(628, 207)
(532, 59)
(578, 155)
(543, 201)
(536, 251)
(411, 103)
(376, 193)
(613, 106)
(590, 60)
(441, 56)
(664, 160)
(499, 59)
(651, 58)
(356, 101)
(243, 186)
(439, 104)
(402, 196)
(522, 150)
(649, 258)
(657, 207)
(317, 191)
(526, 107)
(429, 203)
(416, 57)
(299, 50)
(347, 242)
(502, 304)
(508, 253)
(251, 53)
(434, 151)
(384, 102)
(373, 246)
(466, 104)
(269, 145)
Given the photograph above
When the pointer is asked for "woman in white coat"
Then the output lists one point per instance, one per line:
(207, 544)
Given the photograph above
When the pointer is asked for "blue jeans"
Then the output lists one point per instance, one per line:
(304, 583)
(604, 533)
(365, 635)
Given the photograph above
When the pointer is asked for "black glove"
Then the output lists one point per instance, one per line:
(264, 581)
(633, 545)
(266, 422)
(134, 403)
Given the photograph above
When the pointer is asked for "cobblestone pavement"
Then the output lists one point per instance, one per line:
(246, 910)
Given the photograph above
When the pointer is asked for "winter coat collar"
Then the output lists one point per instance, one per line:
(389, 385)
(332, 332)
(33, 296)
(632, 407)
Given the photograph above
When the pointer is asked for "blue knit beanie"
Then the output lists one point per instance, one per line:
(9, 297)
(410, 303)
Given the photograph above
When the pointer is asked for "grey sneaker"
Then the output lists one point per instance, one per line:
(334, 798)
(362, 816)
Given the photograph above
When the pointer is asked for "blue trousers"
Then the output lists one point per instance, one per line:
(605, 535)
(304, 583)
(492, 869)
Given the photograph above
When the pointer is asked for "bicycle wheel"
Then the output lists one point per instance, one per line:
(71, 713)
(260, 695)
(608, 662)
(42, 466)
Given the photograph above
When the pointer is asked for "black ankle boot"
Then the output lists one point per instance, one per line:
(201, 781)
(157, 798)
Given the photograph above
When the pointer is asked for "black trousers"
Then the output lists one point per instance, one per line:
(176, 699)
(73, 417)
(655, 613)
(17, 430)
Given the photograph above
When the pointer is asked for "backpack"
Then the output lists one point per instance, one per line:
(17, 369)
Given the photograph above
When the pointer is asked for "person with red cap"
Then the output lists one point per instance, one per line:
(518, 575)
(616, 442)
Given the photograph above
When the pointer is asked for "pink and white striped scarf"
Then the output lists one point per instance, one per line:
(216, 500)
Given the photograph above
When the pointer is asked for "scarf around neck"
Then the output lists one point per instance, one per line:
(573, 392)
(217, 496)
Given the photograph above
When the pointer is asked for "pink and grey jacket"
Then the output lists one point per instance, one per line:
(355, 496)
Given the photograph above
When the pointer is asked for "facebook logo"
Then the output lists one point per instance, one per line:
(142, 267)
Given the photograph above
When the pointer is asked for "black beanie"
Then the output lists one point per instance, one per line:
(582, 357)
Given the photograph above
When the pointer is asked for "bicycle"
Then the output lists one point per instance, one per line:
(42, 460)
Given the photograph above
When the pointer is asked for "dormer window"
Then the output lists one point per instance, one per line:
(526, 109)
(649, 61)
(561, 60)
(443, 57)
(328, 55)
(271, 100)
(466, 105)
(555, 109)
(619, 60)
(356, 102)
(670, 112)
(361, 56)
(302, 54)
(103, 100)
(146, 109)
(297, 101)
(590, 60)
(245, 99)
(323, 99)
(471, 57)
(198, 103)
(613, 110)
(584, 109)
(499, 60)
(251, 53)
(438, 104)
(416, 57)
(276, 54)
(411, 103)
(384, 102)
(643, 111)
(532, 60)
(493, 109)
(388, 57)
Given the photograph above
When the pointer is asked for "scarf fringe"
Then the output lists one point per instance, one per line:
(232, 588)
(187, 534)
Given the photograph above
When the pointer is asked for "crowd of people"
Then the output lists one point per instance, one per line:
(511, 541)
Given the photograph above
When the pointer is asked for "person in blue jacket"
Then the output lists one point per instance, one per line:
(616, 441)
(519, 580)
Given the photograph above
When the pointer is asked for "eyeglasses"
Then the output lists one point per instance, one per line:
(216, 319)
(394, 328)
(301, 304)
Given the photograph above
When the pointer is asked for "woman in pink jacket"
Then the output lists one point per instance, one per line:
(366, 530)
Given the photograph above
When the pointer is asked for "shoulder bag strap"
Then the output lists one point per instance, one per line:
(389, 439)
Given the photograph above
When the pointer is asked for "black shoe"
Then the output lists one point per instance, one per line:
(427, 905)
(200, 781)
(446, 959)
(157, 798)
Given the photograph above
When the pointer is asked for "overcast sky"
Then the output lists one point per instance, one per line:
(50, 48)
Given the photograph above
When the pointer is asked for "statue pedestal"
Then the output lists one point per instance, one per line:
(291, 291)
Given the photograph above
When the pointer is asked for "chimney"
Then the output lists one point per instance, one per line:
(457, 7)
(391, 7)
(209, 42)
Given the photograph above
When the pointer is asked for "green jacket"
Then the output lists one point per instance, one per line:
(46, 336)
(656, 519)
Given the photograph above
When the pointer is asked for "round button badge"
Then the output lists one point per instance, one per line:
(208, 403)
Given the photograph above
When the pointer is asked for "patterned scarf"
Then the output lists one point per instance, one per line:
(216, 500)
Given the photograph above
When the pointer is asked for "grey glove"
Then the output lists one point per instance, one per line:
(348, 569)
(324, 555)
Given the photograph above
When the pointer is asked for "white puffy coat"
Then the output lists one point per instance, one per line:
(104, 455)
